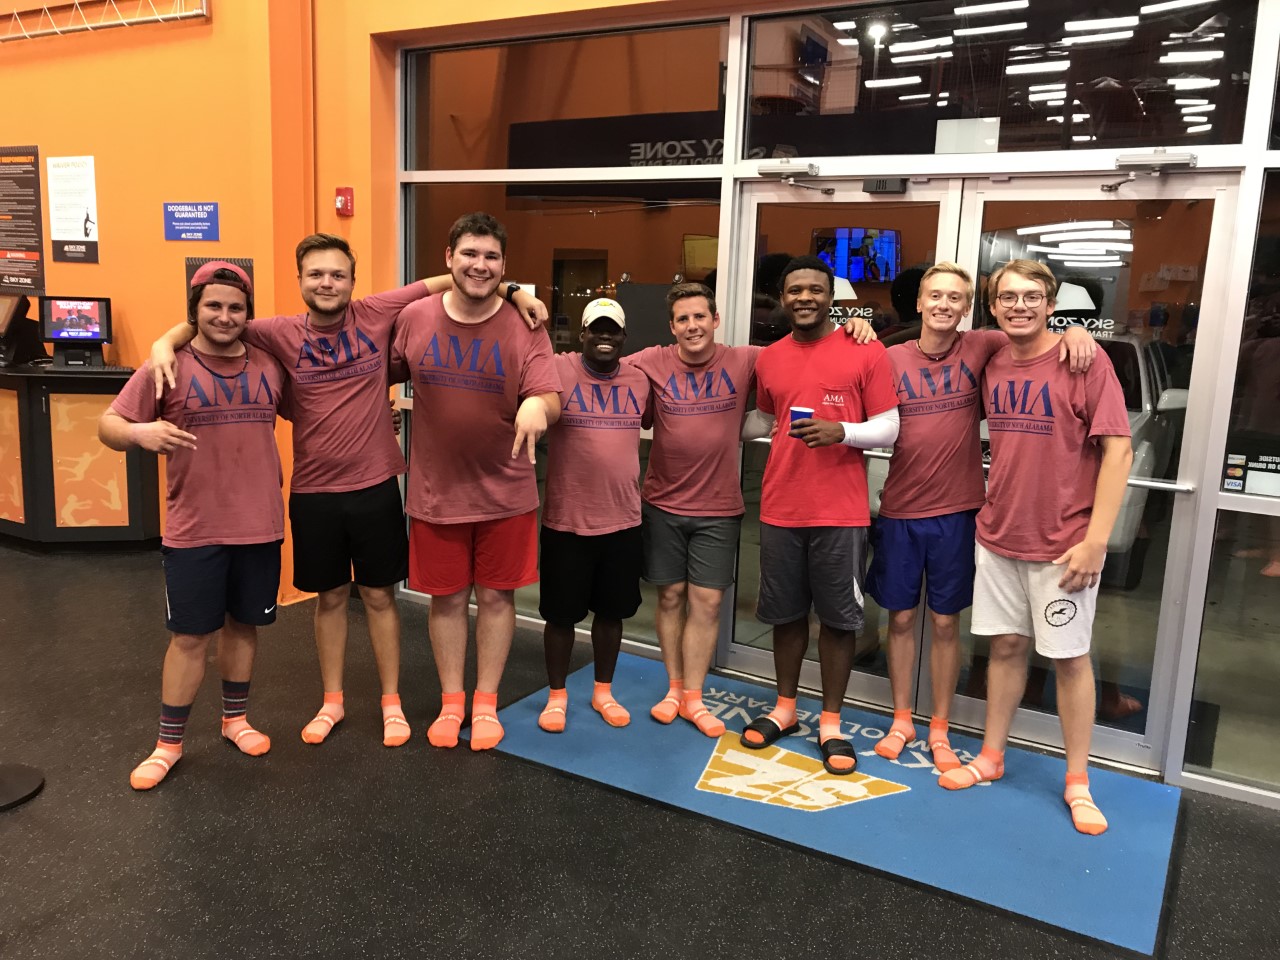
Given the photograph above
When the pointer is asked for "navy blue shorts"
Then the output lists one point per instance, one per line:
(937, 550)
(203, 585)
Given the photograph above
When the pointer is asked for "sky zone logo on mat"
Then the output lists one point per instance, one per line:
(782, 778)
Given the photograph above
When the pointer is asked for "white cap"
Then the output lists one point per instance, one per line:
(604, 307)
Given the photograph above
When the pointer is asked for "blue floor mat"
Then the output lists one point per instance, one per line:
(1011, 844)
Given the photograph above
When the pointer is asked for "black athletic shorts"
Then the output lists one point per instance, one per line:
(202, 585)
(600, 574)
(336, 532)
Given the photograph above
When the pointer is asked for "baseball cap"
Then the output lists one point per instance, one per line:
(205, 274)
(604, 307)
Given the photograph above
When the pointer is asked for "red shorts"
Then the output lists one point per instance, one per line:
(445, 558)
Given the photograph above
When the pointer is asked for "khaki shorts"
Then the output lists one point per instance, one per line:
(1023, 597)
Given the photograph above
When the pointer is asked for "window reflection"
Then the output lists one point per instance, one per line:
(639, 98)
(1252, 462)
(938, 77)
(1234, 710)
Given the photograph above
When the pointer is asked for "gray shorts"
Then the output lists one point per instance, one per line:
(818, 567)
(698, 550)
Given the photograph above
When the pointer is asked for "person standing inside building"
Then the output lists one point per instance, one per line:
(592, 550)
(481, 380)
(692, 497)
(838, 399)
(345, 511)
(1060, 459)
(925, 529)
(225, 515)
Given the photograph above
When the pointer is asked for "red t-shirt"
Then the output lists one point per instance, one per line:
(468, 382)
(840, 379)
(1044, 421)
(697, 428)
(936, 466)
(593, 456)
(227, 490)
(342, 433)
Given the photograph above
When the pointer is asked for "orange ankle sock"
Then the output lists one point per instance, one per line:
(783, 714)
(615, 715)
(829, 729)
(552, 718)
(443, 731)
(486, 731)
(944, 758)
(330, 716)
(1084, 812)
(247, 739)
(666, 709)
(989, 765)
(156, 767)
(693, 710)
(900, 734)
(395, 728)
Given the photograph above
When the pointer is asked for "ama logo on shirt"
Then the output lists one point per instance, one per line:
(954, 379)
(481, 356)
(324, 352)
(617, 400)
(238, 391)
(1021, 398)
(709, 386)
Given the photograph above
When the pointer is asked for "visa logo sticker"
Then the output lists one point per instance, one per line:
(1233, 485)
(785, 779)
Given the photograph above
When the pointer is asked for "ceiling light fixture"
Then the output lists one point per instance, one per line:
(975, 8)
(1056, 66)
(892, 82)
(1097, 37)
(1067, 225)
(1103, 24)
(993, 28)
(920, 57)
(1192, 56)
(1172, 5)
(908, 45)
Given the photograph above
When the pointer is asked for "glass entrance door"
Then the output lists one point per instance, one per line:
(1131, 257)
(876, 246)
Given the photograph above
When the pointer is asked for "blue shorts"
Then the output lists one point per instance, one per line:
(938, 550)
(203, 585)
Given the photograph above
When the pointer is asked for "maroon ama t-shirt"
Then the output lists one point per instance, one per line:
(468, 382)
(226, 490)
(337, 392)
(1045, 425)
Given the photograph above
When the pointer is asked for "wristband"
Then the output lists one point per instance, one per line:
(511, 292)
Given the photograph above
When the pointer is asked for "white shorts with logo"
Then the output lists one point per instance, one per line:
(1023, 597)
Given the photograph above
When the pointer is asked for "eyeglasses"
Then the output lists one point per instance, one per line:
(1010, 299)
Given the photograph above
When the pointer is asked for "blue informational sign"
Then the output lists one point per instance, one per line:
(191, 221)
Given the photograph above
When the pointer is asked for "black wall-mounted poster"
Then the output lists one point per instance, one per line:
(21, 227)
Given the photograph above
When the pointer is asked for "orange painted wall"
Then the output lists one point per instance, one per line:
(171, 112)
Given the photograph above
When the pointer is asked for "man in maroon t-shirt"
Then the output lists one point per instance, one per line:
(481, 377)
(345, 511)
(692, 496)
(592, 551)
(1060, 458)
(225, 517)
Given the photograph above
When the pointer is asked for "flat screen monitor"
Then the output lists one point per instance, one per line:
(860, 254)
(72, 321)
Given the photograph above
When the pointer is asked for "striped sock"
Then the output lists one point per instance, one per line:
(173, 724)
(235, 698)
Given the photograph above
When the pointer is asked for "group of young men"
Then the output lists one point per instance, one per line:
(487, 386)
